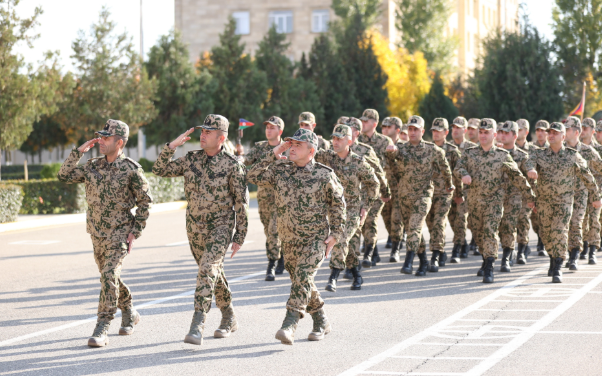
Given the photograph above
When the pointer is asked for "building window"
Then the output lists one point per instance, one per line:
(319, 21)
(283, 20)
(242, 23)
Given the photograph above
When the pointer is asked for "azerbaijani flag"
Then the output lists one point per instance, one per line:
(244, 124)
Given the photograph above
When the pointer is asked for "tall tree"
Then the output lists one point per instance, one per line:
(577, 28)
(111, 83)
(422, 25)
(436, 104)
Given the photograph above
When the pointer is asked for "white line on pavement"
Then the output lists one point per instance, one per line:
(141, 306)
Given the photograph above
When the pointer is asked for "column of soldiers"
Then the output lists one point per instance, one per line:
(317, 199)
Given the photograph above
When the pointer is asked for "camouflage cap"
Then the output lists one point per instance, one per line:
(215, 122)
(599, 126)
(556, 126)
(341, 130)
(487, 124)
(404, 129)
(440, 124)
(343, 120)
(370, 114)
(114, 128)
(275, 120)
(355, 123)
(307, 118)
(474, 123)
(508, 126)
(460, 121)
(304, 135)
(392, 121)
(542, 124)
(572, 122)
(523, 124)
(416, 121)
(588, 122)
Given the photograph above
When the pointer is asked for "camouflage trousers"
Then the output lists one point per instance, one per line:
(302, 262)
(340, 255)
(576, 223)
(508, 226)
(486, 217)
(436, 220)
(413, 213)
(392, 219)
(109, 255)
(523, 225)
(208, 244)
(458, 218)
(269, 219)
(555, 218)
(591, 224)
(370, 228)
(535, 222)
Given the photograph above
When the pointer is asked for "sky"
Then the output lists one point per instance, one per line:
(62, 19)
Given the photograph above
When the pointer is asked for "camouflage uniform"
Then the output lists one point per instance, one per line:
(218, 204)
(522, 224)
(309, 118)
(311, 206)
(489, 170)
(112, 190)
(389, 211)
(360, 191)
(591, 226)
(229, 147)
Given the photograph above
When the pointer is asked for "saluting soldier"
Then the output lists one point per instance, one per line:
(218, 205)
(115, 184)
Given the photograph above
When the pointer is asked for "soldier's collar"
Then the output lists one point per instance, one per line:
(309, 167)
(493, 148)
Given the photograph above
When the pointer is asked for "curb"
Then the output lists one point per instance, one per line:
(66, 219)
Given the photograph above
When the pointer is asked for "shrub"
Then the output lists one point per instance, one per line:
(50, 171)
(50, 196)
(147, 165)
(166, 189)
(11, 197)
(16, 172)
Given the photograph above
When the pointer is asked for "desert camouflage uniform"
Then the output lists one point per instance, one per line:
(229, 147)
(390, 212)
(458, 213)
(218, 204)
(309, 118)
(112, 190)
(311, 206)
(591, 227)
(523, 225)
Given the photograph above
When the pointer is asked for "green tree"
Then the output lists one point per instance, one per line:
(182, 98)
(422, 25)
(111, 83)
(366, 12)
(436, 104)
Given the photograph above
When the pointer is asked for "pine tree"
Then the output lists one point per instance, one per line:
(436, 104)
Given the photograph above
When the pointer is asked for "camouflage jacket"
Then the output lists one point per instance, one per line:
(391, 179)
(112, 190)
(356, 176)
(369, 155)
(309, 200)
(524, 163)
(215, 187)
(229, 147)
(452, 154)
(489, 170)
(528, 147)
(260, 148)
(379, 143)
(415, 166)
(323, 144)
(545, 145)
(557, 173)
(464, 145)
(594, 163)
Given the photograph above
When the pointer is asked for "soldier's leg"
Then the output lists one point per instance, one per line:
(523, 225)
(593, 232)
(370, 229)
(438, 213)
(386, 213)
(554, 222)
(302, 263)
(340, 252)
(267, 216)
(508, 223)
(396, 222)
(576, 223)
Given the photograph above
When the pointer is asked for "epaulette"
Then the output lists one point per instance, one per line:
(195, 151)
(260, 143)
(428, 142)
(450, 144)
(133, 162)
(571, 149)
(326, 167)
(232, 156)
(521, 151)
(471, 148)
(503, 150)
(364, 145)
(95, 159)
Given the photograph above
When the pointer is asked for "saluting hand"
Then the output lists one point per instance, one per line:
(280, 149)
(88, 145)
(181, 140)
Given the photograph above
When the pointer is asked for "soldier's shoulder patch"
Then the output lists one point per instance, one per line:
(318, 164)
(136, 164)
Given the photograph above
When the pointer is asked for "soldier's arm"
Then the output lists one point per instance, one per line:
(167, 168)
(374, 162)
(251, 157)
(457, 182)
(595, 162)
(370, 185)
(323, 156)
(442, 166)
(336, 207)
(141, 190)
(583, 172)
(70, 171)
(461, 168)
(518, 179)
(238, 190)
(261, 173)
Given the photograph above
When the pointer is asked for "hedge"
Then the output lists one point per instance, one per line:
(166, 189)
(11, 197)
(16, 172)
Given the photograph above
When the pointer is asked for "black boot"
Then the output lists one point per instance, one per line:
(394, 252)
(512, 257)
(375, 256)
(424, 264)
(407, 264)
(269, 274)
(357, 279)
(434, 268)
(367, 261)
(592, 255)
(332, 280)
(521, 258)
(573, 256)
(551, 268)
(541, 250)
(442, 259)
(481, 271)
(464, 250)
(584, 252)
(488, 270)
(348, 274)
(280, 265)
(527, 251)
(473, 247)
(455, 256)
(557, 272)
(389, 243)
(506, 261)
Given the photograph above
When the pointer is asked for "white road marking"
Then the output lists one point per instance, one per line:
(439, 357)
(35, 242)
(91, 319)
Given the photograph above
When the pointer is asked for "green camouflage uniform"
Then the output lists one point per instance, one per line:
(218, 204)
(112, 190)
(311, 206)
(458, 213)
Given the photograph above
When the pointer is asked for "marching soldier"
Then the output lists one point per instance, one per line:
(307, 120)
(587, 137)
(523, 225)
(472, 134)
(311, 219)
(115, 184)
(218, 205)
(541, 141)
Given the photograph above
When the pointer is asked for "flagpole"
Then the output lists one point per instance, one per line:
(583, 100)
